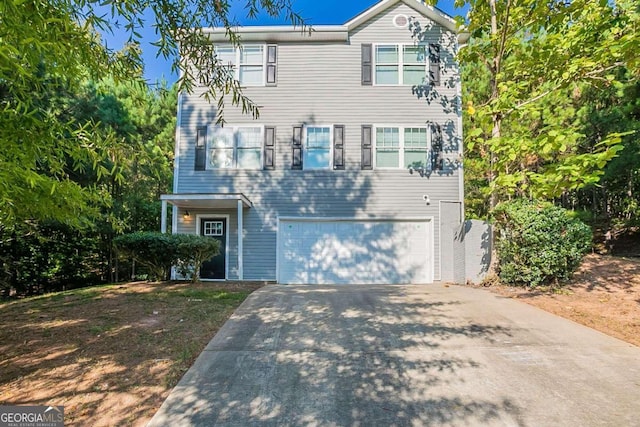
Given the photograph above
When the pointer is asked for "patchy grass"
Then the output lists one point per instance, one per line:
(604, 294)
(109, 354)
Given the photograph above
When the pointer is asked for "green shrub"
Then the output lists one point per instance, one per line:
(159, 252)
(156, 251)
(192, 251)
(538, 243)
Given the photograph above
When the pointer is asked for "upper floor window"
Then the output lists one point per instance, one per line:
(317, 147)
(397, 64)
(397, 147)
(246, 63)
(236, 147)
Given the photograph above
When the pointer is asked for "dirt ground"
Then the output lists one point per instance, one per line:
(109, 354)
(604, 294)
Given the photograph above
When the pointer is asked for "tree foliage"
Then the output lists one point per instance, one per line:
(38, 254)
(49, 48)
(524, 66)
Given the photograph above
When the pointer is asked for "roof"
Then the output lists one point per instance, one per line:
(278, 33)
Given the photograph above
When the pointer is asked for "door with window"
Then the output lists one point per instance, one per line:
(216, 228)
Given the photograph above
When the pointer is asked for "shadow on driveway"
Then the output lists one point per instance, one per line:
(403, 355)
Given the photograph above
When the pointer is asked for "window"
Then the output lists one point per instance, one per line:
(317, 147)
(213, 228)
(416, 147)
(387, 65)
(245, 63)
(387, 147)
(397, 147)
(400, 64)
(236, 147)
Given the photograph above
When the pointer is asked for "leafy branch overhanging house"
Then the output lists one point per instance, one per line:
(353, 171)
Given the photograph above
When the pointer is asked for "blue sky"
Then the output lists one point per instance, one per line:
(315, 12)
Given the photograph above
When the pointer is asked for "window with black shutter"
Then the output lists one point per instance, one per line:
(296, 148)
(338, 147)
(269, 148)
(367, 151)
(201, 144)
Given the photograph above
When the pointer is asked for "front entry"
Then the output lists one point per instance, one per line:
(216, 228)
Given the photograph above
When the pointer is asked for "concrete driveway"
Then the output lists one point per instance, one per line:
(404, 355)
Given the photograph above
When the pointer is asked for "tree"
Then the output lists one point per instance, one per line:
(528, 57)
(52, 45)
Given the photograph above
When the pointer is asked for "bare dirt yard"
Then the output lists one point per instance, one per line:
(109, 354)
(604, 294)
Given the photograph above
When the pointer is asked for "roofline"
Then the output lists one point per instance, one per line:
(276, 33)
(429, 11)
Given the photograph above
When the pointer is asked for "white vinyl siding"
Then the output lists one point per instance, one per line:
(401, 147)
(235, 147)
(400, 64)
(246, 63)
(317, 147)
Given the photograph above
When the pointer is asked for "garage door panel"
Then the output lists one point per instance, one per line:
(354, 252)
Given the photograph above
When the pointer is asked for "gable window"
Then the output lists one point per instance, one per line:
(397, 64)
(246, 63)
(317, 147)
(398, 147)
(236, 147)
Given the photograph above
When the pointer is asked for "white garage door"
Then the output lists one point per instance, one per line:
(355, 251)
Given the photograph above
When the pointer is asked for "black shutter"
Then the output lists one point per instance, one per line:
(269, 148)
(338, 147)
(434, 64)
(367, 149)
(201, 144)
(296, 148)
(437, 160)
(272, 65)
(367, 54)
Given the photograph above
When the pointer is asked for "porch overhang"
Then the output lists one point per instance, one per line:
(208, 200)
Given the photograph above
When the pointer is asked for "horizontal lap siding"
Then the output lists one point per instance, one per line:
(319, 83)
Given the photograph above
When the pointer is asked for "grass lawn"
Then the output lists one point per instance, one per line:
(109, 354)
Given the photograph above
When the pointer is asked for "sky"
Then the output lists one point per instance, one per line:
(326, 12)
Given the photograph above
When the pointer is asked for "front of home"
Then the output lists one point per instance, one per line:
(352, 172)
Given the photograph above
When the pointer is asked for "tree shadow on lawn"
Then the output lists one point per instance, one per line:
(108, 354)
(335, 355)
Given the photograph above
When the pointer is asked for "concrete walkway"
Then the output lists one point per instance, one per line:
(427, 355)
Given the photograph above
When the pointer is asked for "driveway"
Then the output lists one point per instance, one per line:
(404, 355)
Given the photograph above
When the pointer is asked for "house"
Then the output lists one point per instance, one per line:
(351, 174)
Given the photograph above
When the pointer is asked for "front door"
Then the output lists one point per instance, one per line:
(216, 228)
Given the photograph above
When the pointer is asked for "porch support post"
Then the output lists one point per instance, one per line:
(163, 217)
(240, 249)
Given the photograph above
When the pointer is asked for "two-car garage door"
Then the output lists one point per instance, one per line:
(355, 251)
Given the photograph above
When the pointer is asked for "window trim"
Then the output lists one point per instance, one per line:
(401, 147)
(210, 134)
(237, 65)
(400, 64)
(304, 146)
